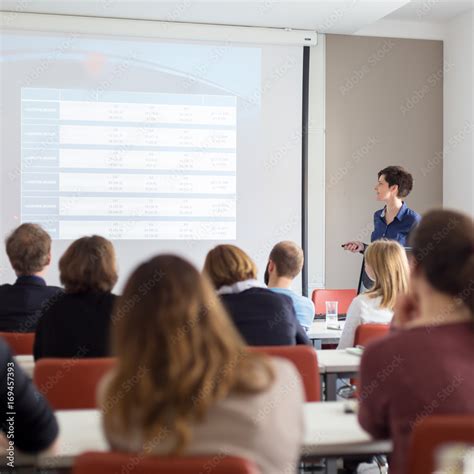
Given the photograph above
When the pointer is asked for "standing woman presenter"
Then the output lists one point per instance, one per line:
(396, 220)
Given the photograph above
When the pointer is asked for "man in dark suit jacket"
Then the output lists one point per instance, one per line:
(265, 318)
(21, 304)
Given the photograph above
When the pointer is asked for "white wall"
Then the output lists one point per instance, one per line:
(458, 162)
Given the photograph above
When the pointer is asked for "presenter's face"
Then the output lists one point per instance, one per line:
(383, 190)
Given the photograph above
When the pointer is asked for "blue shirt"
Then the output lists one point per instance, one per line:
(398, 229)
(304, 307)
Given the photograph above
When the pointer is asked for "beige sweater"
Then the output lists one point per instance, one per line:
(266, 428)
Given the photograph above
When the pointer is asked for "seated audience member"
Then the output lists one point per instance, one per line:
(284, 264)
(264, 318)
(194, 377)
(425, 366)
(29, 251)
(386, 264)
(77, 324)
(34, 426)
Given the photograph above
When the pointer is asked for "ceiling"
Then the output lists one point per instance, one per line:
(336, 16)
(433, 11)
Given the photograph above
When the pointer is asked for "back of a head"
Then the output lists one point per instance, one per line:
(389, 262)
(228, 264)
(288, 259)
(166, 301)
(443, 251)
(28, 248)
(170, 327)
(88, 265)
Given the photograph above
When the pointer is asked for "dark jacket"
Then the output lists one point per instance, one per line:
(76, 325)
(22, 303)
(265, 318)
(34, 425)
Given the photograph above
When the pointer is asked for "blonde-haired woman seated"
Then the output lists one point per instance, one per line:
(386, 264)
(194, 388)
(263, 317)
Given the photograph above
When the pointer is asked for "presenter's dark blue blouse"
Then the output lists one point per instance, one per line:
(399, 229)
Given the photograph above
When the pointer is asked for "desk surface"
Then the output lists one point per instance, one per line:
(318, 331)
(337, 362)
(26, 362)
(329, 361)
(329, 432)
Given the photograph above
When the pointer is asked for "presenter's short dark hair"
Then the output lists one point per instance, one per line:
(399, 176)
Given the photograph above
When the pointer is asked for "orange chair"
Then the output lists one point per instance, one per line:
(368, 332)
(431, 433)
(305, 360)
(21, 343)
(70, 383)
(343, 297)
(112, 463)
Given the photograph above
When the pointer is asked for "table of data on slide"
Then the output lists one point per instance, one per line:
(129, 165)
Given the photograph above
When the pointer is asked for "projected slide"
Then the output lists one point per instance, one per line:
(129, 165)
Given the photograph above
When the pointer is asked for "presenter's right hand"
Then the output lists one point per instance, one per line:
(354, 246)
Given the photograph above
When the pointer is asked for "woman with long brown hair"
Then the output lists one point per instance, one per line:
(184, 381)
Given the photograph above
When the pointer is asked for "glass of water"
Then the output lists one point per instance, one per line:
(331, 314)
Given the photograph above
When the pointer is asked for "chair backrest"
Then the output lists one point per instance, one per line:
(366, 333)
(71, 383)
(431, 433)
(305, 360)
(112, 463)
(343, 297)
(21, 343)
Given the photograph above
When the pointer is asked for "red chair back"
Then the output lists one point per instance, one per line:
(366, 333)
(70, 383)
(343, 297)
(21, 343)
(431, 433)
(112, 463)
(305, 360)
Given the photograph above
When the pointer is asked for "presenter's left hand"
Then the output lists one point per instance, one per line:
(353, 246)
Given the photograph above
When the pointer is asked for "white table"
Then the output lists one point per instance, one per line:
(334, 364)
(329, 432)
(26, 362)
(319, 334)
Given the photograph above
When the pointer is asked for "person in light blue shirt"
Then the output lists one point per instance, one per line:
(284, 264)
